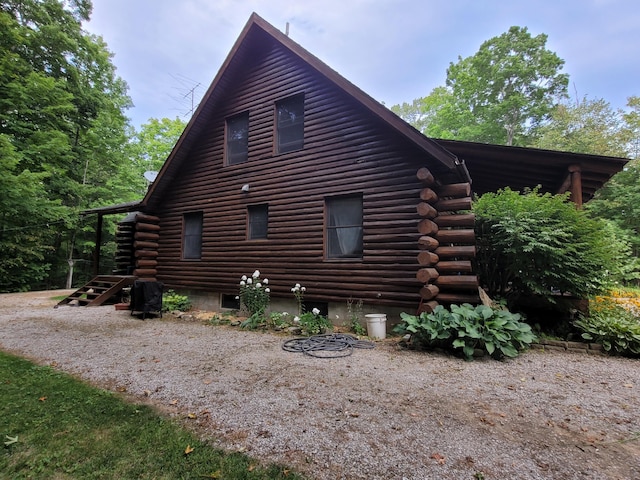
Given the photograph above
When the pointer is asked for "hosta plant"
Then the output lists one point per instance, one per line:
(466, 328)
(612, 325)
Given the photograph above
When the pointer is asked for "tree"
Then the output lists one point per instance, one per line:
(151, 146)
(585, 126)
(62, 117)
(500, 95)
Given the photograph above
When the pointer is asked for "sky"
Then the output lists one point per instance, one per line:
(169, 51)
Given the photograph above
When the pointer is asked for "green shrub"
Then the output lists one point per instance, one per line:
(498, 332)
(612, 325)
(535, 244)
(312, 323)
(172, 301)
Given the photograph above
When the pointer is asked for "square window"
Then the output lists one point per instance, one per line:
(237, 143)
(258, 216)
(192, 236)
(344, 227)
(290, 124)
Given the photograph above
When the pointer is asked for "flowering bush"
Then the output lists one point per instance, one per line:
(254, 294)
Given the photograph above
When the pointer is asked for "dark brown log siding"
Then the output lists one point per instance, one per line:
(345, 151)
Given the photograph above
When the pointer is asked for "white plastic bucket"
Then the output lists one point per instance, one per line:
(376, 325)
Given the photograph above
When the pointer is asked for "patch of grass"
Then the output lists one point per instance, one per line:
(54, 426)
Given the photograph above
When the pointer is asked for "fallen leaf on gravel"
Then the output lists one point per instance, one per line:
(192, 416)
(628, 385)
(438, 458)
(188, 450)
(207, 381)
(121, 389)
(173, 402)
(147, 393)
(488, 422)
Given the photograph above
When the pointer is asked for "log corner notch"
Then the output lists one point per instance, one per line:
(447, 244)
(145, 245)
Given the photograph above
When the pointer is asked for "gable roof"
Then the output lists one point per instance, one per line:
(253, 34)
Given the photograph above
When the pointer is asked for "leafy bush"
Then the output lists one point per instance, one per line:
(172, 301)
(612, 325)
(312, 323)
(542, 245)
(499, 332)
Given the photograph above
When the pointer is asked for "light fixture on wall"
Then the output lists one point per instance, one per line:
(245, 188)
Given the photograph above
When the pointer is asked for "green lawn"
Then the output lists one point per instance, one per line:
(54, 426)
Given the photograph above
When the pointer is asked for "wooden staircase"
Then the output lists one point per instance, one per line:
(98, 291)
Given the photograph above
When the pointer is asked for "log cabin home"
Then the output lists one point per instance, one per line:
(288, 168)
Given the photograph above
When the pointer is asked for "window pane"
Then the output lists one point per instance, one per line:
(290, 124)
(258, 221)
(237, 138)
(192, 236)
(344, 227)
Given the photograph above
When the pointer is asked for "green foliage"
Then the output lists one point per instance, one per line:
(500, 95)
(534, 244)
(64, 428)
(498, 332)
(254, 296)
(312, 323)
(613, 326)
(172, 301)
(586, 126)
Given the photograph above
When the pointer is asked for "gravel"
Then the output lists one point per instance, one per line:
(385, 413)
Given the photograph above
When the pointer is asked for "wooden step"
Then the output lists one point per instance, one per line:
(99, 290)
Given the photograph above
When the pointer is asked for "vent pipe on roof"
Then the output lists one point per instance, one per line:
(286, 29)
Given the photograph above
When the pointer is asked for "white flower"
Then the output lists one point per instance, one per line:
(242, 283)
(285, 313)
(265, 281)
(244, 278)
(315, 311)
(296, 319)
(256, 274)
(297, 285)
(249, 281)
(337, 317)
(302, 289)
(268, 290)
(237, 297)
(258, 285)
(293, 289)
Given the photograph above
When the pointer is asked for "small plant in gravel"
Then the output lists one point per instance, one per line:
(279, 320)
(172, 301)
(254, 299)
(498, 332)
(612, 325)
(312, 323)
(354, 314)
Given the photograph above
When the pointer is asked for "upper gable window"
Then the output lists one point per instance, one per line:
(290, 124)
(237, 138)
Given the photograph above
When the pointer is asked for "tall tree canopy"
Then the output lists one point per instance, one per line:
(500, 95)
(62, 125)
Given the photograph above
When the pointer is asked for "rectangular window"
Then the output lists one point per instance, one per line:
(237, 138)
(344, 227)
(258, 221)
(192, 236)
(290, 124)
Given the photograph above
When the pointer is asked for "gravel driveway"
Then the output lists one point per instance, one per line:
(385, 413)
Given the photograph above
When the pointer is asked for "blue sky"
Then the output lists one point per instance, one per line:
(169, 51)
